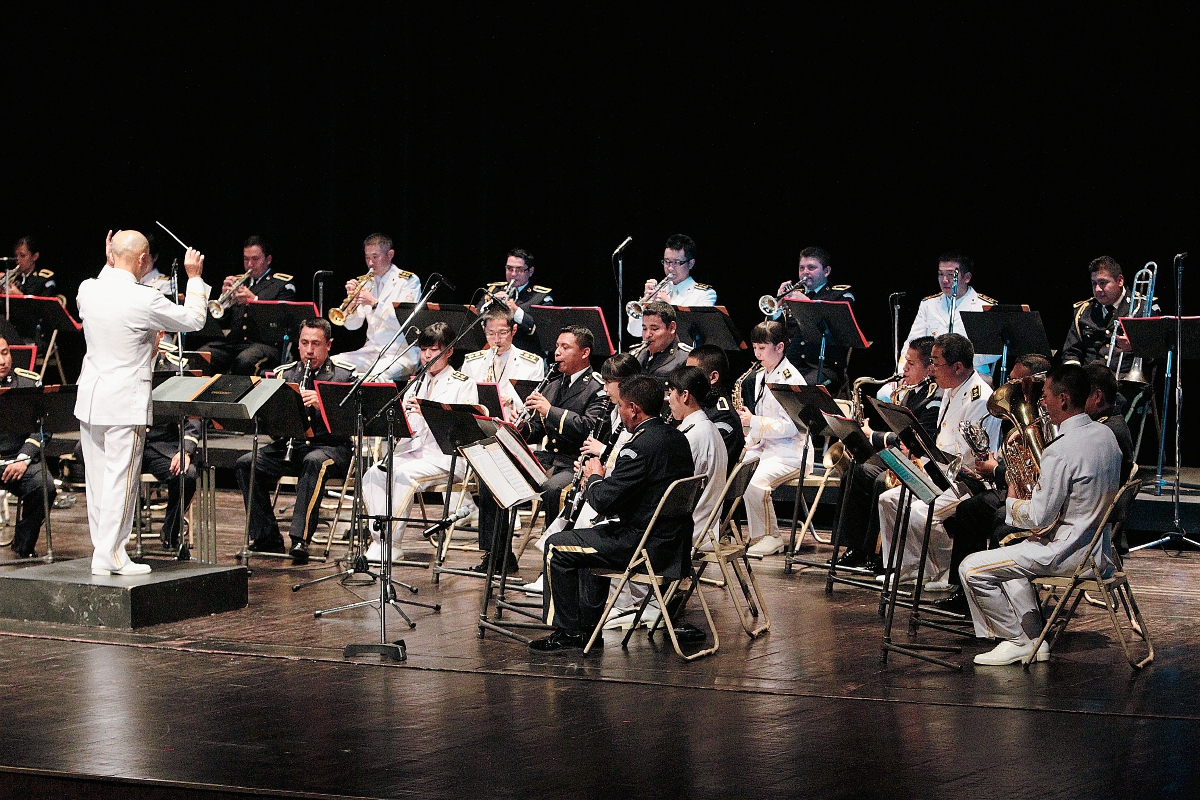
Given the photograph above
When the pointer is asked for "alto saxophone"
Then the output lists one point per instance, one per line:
(736, 397)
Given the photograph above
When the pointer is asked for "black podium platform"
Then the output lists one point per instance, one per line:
(68, 592)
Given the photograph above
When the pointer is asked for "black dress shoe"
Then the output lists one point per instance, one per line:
(513, 566)
(272, 545)
(687, 633)
(299, 552)
(956, 603)
(560, 640)
(852, 558)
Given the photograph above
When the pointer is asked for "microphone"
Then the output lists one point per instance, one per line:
(1178, 257)
(10, 258)
(323, 273)
(623, 245)
(438, 277)
(457, 516)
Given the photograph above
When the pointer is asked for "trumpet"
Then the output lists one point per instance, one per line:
(1141, 304)
(769, 304)
(497, 297)
(338, 315)
(218, 307)
(634, 308)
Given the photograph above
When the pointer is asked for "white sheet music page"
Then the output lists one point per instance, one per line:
(501, 475)
(515, 446)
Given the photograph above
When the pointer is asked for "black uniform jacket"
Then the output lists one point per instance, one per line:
(805, 355)
(272, 286)
(528, 295)
(12, 445)
(329, 371)
(573, 415)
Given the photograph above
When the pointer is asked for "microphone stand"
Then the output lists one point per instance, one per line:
(894, 301)
(619, 254)
(319, 289)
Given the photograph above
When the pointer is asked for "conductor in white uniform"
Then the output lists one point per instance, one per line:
(121, 320)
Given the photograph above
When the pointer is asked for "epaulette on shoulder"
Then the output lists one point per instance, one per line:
(24, 373)
(687, 348)
(281, 276)
(543, 289)
(45, 273)
(931, 297)
(478, 354)
(1082, 303)
(458, 376)
(405, 274)
(988, 300)
(702, 286)
(532, 358)
(598, 378)
(342, 364)
(283, 367)
(844, 287)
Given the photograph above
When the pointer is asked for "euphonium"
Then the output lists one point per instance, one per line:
(218, 307)
(338, 315)
(769, 304)
(1017, 401)
(634, 308)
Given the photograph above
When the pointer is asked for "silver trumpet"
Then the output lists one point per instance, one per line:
(218, 307)
(634, 308)
(497, 297)
(769, 304)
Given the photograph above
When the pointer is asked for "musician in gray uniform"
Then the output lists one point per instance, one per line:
(22, 470)
(660, 351)
(315, 460)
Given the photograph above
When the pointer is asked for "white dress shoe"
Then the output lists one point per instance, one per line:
(619, 619)
(766, 546)
(129, 569)
(1012, 653)
(937, 586)
(374, 553)
(534, 588)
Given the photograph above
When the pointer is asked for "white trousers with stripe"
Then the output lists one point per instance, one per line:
(760, 511)
(1004, 604)
(112, 458)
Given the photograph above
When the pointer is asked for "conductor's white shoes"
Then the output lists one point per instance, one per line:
(129, 569)
(1012, 653)
(767, 546)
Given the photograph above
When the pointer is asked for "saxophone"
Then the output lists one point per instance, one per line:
(736, 395)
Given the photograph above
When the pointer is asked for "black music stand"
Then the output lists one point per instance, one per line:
(32, 316)
(832, 321)
(46, 409)
(1176, 338)
(489, 398)
(459, 317)
(708, 325)
(1011, 331)
(552, 319)
(279, 320)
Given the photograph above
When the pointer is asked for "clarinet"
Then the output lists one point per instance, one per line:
(287, 454)
(573, 500)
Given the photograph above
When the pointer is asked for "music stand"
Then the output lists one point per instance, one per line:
(1176, 338)
(833, 321)
(32, 316)
(459, 317)
(279, 320)
(1008, 330)
(489, 398)
(46, 409)
(708, 325)
(552, 319)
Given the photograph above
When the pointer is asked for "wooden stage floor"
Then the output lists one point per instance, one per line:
(260, 701)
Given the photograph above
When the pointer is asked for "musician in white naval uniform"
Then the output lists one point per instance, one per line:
(373, 307)
(1080, 476)
(965, 400)
(771, 435)
(933, 315)
(121, 320)
(500, 362)
(678, 261)
(418, 461)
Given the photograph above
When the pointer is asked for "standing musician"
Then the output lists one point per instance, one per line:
(933, 315)
(660, 351)
(372, 306)
(718, 404)
(519, 296)
(1091, 329)
(315, 460)
(860, 513)
(500, 362)
(418, 462)
(770, 434)
(1080, 476)
(22, 469)
(244, 350)
(813, 284)
(121, 321)
(561, 417)
(29, 279)
(655, 456)
(680, 288)
(965, 400)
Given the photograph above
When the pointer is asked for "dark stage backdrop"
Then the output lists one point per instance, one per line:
(1033, 140)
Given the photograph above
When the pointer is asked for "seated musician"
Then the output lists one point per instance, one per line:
(29, 279)
(560, 417)
(660, 351)
(813, 284)
(655, 456)
(372, 306)
(680, 289)
(1091, 330)
(523, 295)
(770, 435)
(718, 404)
(933, 315)
(418, 462)
(1080, 476)
(22, 470)
(315, 460)
(156, 279)
(860, 515)
(965, 400)
(245, 350)
(500, 362)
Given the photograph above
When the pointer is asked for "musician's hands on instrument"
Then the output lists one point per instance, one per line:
(175, 468)
(364, 297)
(411, 406)
(986, 466)
(227, 284)
(193, 263)
(15, 471)
(310, 397)
(243, 295)
(745, 416)
(538, 402)
(592, 446)
(1012, 491)
(593, 467)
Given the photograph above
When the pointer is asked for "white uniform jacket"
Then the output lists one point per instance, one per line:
(772, 432)
(933, 319)
(516, 364)
(396, 286)
(448, 386)
(710, 458)
(685, 293)
(120, 321)
(966, 402)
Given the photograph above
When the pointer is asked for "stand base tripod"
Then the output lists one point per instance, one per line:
(395, 651)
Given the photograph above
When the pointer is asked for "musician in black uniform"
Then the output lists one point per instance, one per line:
(813, 284)
(860, 517)
(22, 472)
(316, 460)
(718, 405)
(1092, 326)
(518, 271)
(246, 350)
(161, 459)
(31, 280)
(655, 456)
(563, 415)
(660, 351)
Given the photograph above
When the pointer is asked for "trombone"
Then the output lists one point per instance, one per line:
(219, 306)
(634, 308)
(1141, 304)
(338, 315)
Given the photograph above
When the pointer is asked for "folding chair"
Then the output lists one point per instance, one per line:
(341, 485)
(1112, 589)
(679, 500)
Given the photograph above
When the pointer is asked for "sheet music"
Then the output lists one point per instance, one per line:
(910, 475)
(517, 448)
(491, 461)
